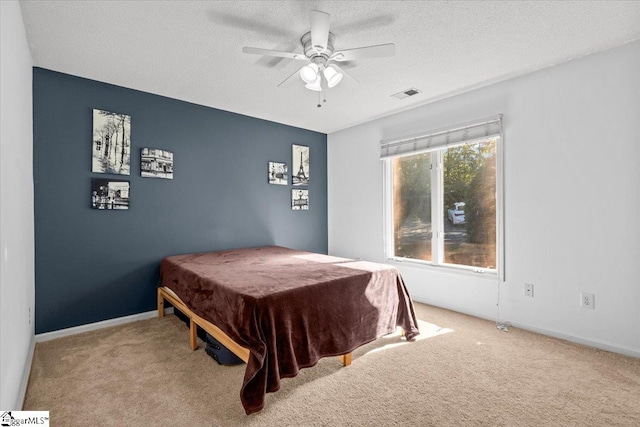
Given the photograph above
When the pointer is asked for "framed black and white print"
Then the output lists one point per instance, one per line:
(156, 163)
(109, 194)
(278, 173)
(111, 143)
(299, 199)
(300, 165)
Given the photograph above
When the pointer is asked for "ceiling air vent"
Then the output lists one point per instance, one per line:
(407, 93)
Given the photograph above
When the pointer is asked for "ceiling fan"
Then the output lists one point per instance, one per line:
(318, 51)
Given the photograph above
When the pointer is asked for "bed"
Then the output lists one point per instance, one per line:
(281, 310)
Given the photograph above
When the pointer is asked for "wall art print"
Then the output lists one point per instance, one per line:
(109, 194)
(156, 163)
(278, 173)
(299, 199)
(300, 165)
(111, 143)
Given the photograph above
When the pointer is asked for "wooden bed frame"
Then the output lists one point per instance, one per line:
(195, 320)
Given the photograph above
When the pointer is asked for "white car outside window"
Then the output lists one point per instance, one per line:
(456, 213)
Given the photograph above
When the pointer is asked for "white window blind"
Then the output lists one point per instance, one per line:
(475, 131)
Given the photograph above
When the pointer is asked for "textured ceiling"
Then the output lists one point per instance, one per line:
(193, 50)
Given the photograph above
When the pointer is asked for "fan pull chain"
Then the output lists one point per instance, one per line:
(322, 92)
(324, 100)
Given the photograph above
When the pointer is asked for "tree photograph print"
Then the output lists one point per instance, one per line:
(111, 142)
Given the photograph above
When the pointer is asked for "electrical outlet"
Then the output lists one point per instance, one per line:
(29, 314)
(528, 290)
(587, 300)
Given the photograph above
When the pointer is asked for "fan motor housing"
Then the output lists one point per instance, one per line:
(311, 53)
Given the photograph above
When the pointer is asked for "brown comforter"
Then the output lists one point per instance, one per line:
(288, 307)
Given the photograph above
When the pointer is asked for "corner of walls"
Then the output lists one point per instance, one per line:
(17, 288)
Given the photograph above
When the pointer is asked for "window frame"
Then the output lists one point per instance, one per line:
(437, 207)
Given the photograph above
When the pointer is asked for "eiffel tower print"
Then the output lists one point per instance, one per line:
(301, 177)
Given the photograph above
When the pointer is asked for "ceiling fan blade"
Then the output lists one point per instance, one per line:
(342, 70)
(289, 78)
(319, 30)
(378, 51)
(346, 65)
(269, 52)
(250, 24)
(363, 24)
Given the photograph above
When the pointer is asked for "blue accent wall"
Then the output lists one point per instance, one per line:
(93, 265)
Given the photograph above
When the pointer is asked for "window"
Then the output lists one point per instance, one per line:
(443, 204)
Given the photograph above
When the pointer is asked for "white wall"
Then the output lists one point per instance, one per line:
(16, 208)
(572, 198)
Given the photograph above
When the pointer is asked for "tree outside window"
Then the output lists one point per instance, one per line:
(460, 181)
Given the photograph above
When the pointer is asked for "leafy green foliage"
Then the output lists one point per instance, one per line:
(470, 177)
(413, 187)
(481, 204)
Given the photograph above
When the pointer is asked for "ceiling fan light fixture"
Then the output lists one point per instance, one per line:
(316, 85)
(318, 51)
(309, 73)
(333, 77)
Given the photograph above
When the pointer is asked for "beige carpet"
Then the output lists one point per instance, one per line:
(462, 372)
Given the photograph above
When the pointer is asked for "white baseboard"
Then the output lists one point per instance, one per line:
(477, 314)
(615, 348)
(602, 345)
(47, 336)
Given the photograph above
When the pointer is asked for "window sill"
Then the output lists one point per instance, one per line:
(461, 271)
